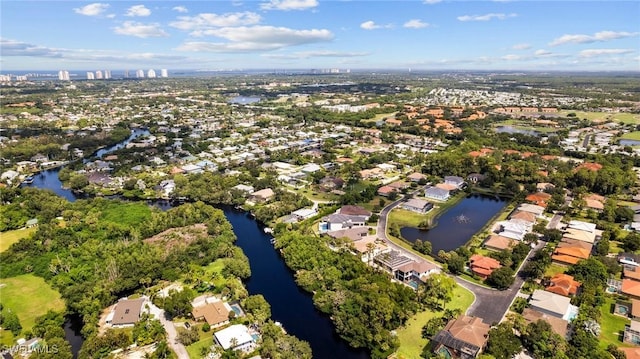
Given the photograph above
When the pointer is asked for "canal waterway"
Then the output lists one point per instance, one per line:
(458, 224)
(270, 277)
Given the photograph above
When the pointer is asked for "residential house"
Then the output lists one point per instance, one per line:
(483, 266)
(263, 195)
(514, 228)
(417, 205)
(631, 288)
(476, 177)
(558, 325)
(126, 313)
(582, 226)
(569, 255)
(416, 177)
(523, 216)
(386, 191)
(532, 208)
(437, 193)
(354, 234)
(462, 338)
(563, 284)
(244, 188)
(456, 181)
(539, 198)
(499, 243)
(632, 333)
(331, 183)
(353, 210)
(552, 304)
(337, 221)
(215, 312)
(631, 353)
(579, 235)
(392, 260)
(415, 271)
(235, 337)
(304, 213)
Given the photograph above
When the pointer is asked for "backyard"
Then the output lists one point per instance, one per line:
(410, 335)
(10, 237)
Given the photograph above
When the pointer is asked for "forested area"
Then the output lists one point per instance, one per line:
(96, 253)
(363, 304)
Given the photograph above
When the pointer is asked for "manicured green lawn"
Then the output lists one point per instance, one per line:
(405, 218)
(611, 326)
(554, 269)
(29, 297)
(635, 135)
(194, 349)
(10, 237)
(410, 335)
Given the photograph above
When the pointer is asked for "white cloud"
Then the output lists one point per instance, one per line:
(542, 52)
(287, 5)
(603, 52)
(208, 20)
(415, 24)
(431, 2)
(309, 54)
(597, 37)
(511, 57)
(181, 9)
(18, 48)
(256, 38)
(370, 25)
(522, 46)
(94, 9)
(138, 10)
(131, 28)
(486, 17)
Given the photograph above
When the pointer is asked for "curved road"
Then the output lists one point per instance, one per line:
(490, 304)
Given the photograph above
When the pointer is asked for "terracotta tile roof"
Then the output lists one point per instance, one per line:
(631, 353)
(635, 308)
(468, 329)
(565, 259)
(213, 313)
(557, 325)
(630, 287)
(632, 274)
(563, 284)
(573, 251)
(522, 215)
(495, 241)
(591, 166)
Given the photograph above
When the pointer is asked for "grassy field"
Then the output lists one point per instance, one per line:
(194, 349)
(29, 297)
(410, 336)
(635, 135)
(126, 213)
(554, 269)
(406, 218)
(618, 117)
(611, 326)
(10, 237)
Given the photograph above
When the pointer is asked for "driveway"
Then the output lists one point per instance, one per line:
(172, 335)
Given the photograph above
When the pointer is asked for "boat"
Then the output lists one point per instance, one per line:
(272, 240)
(267, 230)
(28, 180)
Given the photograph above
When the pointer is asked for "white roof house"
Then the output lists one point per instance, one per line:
(238, 333)
(553, 304)
(583, 226)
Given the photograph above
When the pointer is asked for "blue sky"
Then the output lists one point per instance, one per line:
(305, 34)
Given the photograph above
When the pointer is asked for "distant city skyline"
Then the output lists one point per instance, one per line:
(315, 34)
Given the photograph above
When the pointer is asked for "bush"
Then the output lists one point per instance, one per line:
(206, 327)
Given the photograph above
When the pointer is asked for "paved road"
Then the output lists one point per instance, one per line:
(172, 335)
(491, 305)
(555, 220)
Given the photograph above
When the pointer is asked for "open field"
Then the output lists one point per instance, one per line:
(10, 237)
(594, 116)
(126, 213)
(410, 336)
(29, 297)
(407, 218)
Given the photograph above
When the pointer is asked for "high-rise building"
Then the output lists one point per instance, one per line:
(164, 73)
(90, 76)
(63, 75)
(107, 74)
(140, 74)
(5, 78)
(151, 73)
(126, 74)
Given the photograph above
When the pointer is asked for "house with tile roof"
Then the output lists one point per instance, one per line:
(563, 284)
(631, 288)
(483, 266)
(462, 338)
(569, 255)
(437, 193)
(499, 243)
(558, 325)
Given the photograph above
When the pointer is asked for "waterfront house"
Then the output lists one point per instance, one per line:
(263, 195)
(437, 193)
(456, 181)
(353, 210)
(212, 310)
(499, 243)
(304, 213)
(532, 208)
(235, 337)
(126, 313)
(462, 338)
(415, 271)
(417, 205)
